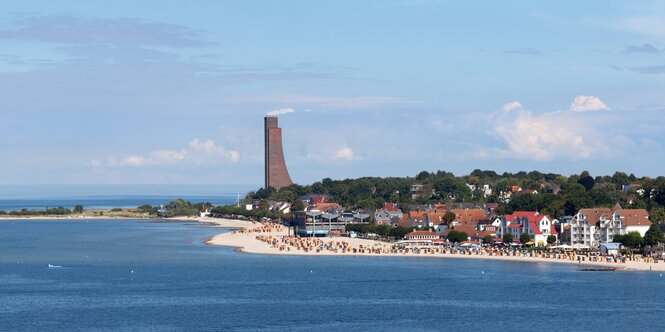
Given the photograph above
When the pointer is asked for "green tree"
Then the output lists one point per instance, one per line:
(488, 239)
(551, 239)
(78, 208)
(657, 215)
(263, 206)
(507, 238)
(457, 236)
(449, 217)
(400, 231)
(653, 236)
(525, 237)
(297, 205)
(586, 180)
(631, 240)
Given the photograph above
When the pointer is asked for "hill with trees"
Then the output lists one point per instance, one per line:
(557, 195)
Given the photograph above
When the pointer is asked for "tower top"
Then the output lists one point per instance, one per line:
(271, 121)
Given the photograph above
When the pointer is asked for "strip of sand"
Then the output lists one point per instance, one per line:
(247, 242)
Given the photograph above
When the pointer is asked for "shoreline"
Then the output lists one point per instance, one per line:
(247, 243)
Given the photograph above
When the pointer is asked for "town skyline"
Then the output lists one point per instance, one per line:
(130, 94)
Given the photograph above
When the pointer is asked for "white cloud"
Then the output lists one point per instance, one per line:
(344, 153)
(198, 152)
(587, 103)
(134, 161)
(281, 111)
(326, 152)
(169, 156)
(546, 136)
(511, 106)
(210, 148)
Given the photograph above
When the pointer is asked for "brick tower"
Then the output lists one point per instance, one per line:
(277, 175)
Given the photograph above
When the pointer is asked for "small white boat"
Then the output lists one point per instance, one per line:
(50, 266)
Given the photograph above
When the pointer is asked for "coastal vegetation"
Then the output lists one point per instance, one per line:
(58, 211)
(232, 211)
(549, 193)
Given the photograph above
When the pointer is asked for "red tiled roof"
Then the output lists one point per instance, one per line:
(594, 215)
(534, 226)
(469, 216)
(435, 217)
(529, 215)
(417, 214)
(390, 207)
(469, 230)
(325, 206)
(421, 233)
(634, 217)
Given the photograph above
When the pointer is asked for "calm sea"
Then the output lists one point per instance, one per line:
(99, 197)
(142, 276)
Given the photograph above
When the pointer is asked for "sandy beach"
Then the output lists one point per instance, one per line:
(244, 237)
(246, 241)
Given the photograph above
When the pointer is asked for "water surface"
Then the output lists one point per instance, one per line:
(133, 275)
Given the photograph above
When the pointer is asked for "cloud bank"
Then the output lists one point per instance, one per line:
(197, 153)
(549, 135)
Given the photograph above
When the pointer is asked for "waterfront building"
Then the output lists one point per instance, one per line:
(537, 225)
(589, 227)
(276, 173)
(422, 235)
(317, 223)
(624, 221)
(610, 248)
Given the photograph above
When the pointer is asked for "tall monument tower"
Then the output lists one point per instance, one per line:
(277, 175)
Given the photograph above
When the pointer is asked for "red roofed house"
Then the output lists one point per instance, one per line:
(531, 222)
(418, 218)
(468, 216)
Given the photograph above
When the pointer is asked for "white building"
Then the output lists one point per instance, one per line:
(584, 225)
(590, 227)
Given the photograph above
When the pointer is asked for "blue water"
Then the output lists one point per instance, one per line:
(98, 197)
(178, 284)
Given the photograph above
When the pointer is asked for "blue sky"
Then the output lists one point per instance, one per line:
(174, 92)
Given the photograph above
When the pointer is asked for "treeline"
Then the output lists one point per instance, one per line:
(25, 212)
(177, 208)
(382, 230)
(558, 195)
(231, 211)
